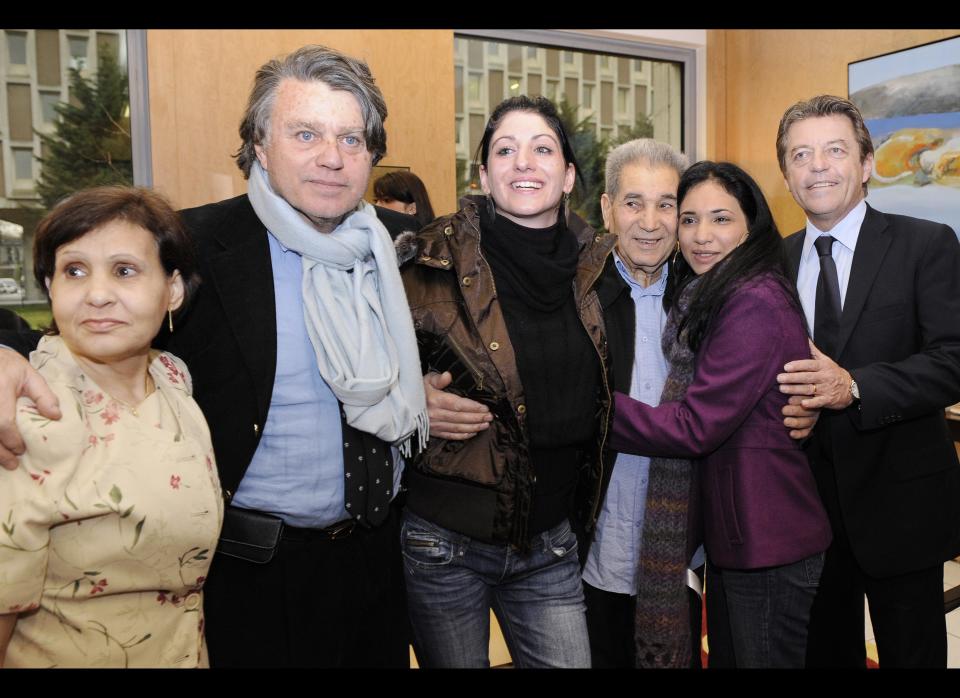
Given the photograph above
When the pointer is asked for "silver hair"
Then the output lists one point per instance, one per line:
(641, 150)
(309, 63)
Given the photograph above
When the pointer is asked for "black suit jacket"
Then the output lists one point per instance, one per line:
(897, 478)
(228, 336)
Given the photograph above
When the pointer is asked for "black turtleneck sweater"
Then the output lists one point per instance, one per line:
(534, 269)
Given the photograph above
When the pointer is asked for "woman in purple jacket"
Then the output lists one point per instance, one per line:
(734, 321)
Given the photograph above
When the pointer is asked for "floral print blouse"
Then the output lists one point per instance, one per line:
(108, 526)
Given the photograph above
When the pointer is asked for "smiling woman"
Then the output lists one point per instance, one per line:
(501, 294)
(734, 321)
(130, 459)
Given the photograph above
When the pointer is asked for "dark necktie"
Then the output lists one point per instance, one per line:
(367, 475)
(826, 315)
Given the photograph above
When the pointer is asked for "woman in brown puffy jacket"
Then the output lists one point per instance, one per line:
(502, 298)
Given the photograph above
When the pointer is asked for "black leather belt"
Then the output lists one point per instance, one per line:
(341, 529)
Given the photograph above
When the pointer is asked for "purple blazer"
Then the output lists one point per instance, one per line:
(759, 500)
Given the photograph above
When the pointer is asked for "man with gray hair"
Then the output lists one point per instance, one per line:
(640, 207)
(305, 364)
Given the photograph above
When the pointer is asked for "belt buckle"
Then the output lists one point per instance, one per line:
(341, 530)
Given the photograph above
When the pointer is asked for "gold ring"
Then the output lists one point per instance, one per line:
(814, 388)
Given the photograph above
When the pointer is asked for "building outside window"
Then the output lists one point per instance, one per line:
(34, 89)
(638, 96)
(16, 48)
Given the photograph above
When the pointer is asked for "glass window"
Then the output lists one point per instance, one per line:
(475, 54)
(78, 52)
(552, 90)
(17, 48)
(568, 57)
(605, 62)
(514, 86)
(23, 165)
(587, 97)
(475, 88)
(532, 52)
(458, 131)
(622, 94)
(48, 100)
(493, 48)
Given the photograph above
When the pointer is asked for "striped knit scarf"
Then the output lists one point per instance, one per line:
(663, 616)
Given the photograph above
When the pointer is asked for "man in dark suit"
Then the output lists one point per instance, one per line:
(881, 294)
(308, 571)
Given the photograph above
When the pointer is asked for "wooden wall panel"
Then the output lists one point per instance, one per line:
(754, 75)
(200, 80)
(716, 94)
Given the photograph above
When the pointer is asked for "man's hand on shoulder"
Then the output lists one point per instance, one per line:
(819, 380)
(19, 379)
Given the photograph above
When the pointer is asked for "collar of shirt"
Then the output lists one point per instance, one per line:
(846, 231)
(657, 288)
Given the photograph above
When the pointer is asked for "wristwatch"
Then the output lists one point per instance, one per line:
(854, 390)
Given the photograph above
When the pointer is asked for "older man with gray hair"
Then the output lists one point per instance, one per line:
(642, 539)
(305, 365)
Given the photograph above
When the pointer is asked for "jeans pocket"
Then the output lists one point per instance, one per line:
(425, 548)
(813, 568)
(562, 540)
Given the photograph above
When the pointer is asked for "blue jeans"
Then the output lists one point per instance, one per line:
(760, 618)
(453, 581)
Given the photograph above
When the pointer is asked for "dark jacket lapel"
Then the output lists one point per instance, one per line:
(872, 244)
(794, 248)
(243, 277)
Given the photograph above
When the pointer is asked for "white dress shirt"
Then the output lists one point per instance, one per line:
(846, 232)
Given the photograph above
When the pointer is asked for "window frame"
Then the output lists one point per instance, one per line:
(644, 50)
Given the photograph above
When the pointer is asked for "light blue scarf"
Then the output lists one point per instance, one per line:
(356, 314)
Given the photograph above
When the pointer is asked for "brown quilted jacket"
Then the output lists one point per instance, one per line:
(482, 487)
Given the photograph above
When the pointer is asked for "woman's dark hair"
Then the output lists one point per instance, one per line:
(761, 251)
(405, 186)
(536, 105)
(89, 209)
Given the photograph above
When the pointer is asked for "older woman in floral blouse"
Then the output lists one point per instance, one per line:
(108, 525)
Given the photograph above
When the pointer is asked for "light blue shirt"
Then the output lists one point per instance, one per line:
(297, 470)
(615, 552)
(846, 232)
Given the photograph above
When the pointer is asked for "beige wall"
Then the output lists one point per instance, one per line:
(754, 75)
(200, 80)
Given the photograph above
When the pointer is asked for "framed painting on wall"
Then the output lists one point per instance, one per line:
(910, 101)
